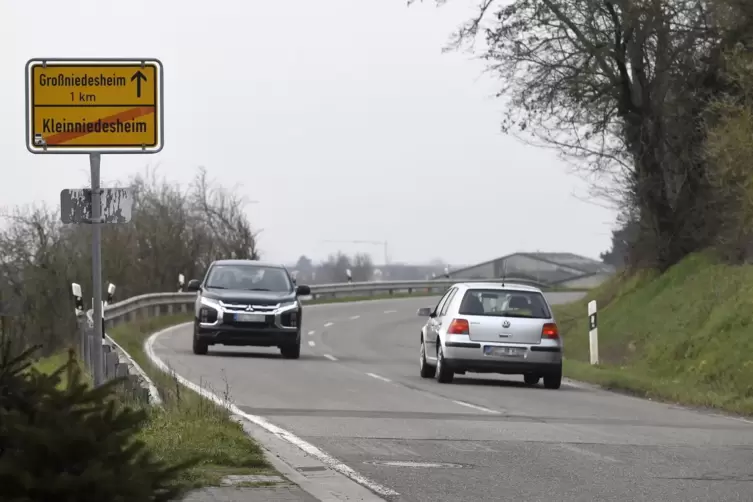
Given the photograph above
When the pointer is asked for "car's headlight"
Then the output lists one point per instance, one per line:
(209, 313)
(288, 305)
(211, 303)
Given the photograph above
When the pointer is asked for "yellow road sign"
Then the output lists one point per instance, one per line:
(89, 106)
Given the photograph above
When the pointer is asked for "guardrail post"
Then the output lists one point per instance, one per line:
(111, 364)
(89, 351)
(81, 339)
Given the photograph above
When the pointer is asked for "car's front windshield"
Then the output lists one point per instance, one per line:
(249, 277)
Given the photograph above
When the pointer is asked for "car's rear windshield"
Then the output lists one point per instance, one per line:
(504, 303)
(249, 277)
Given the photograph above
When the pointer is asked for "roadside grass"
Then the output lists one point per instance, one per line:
(683, 336)
(188, 425)
(50, 364)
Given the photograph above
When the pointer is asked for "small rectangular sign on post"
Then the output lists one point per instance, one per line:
(94, 106)
(76, 205)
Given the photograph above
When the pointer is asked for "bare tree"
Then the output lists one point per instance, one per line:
(730, 151)
(363, 267)
(173, 231)
(619, 87)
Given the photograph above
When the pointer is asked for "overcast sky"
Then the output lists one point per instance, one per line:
(342, 118)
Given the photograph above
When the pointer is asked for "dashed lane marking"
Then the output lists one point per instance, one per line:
(479, 408)
(379, 377)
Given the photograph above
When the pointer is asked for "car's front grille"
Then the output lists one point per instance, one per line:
(256, 305)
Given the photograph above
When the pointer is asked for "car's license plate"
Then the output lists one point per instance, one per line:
(249, 317)
(504, 351)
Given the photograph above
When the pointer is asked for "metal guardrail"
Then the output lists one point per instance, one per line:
(116, 362)
(159, 304)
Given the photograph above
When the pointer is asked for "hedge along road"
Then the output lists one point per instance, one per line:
(356, 395)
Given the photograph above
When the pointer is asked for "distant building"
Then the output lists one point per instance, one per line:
(552, 269)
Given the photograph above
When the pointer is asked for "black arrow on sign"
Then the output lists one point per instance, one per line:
(138, 77)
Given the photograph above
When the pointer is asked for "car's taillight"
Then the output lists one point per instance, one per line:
(458, 327)
(550, 331)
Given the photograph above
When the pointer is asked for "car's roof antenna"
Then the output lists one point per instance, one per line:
(504, 272)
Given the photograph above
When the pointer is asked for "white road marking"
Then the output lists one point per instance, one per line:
(479, 408)
(328, 324)
(283, 434)
(379, 377)
(331, 358)
(353, 318)
(311, 343)
(312, 332)
(390, 311)
(592, 454)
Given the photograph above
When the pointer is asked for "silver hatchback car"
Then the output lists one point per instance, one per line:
(491, 328)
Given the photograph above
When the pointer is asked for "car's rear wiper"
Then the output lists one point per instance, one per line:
(216, 287)
(257, 289)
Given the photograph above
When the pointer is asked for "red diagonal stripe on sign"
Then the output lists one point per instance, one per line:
(129, 114)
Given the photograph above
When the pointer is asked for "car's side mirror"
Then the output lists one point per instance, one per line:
(424, 312)
(302, 290)
(193, 285)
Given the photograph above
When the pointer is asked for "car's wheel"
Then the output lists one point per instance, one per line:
(426, 370)
(200, 347)
(443, 373)
(292, 351)
(531, 378)
(553, 380)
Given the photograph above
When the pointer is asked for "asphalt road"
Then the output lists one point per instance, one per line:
(356, 394)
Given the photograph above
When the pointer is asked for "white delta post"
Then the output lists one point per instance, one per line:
(593, 333)
(93, 107)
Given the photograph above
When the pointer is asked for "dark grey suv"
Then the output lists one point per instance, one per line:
(248, 303)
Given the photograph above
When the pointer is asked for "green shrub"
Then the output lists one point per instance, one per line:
(73, 443)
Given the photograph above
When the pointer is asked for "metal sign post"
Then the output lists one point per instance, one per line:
(94, 164)
(95, 106)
